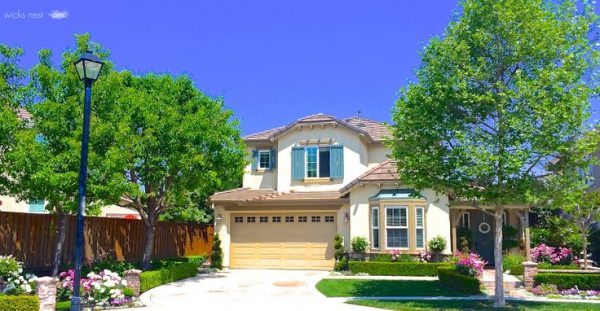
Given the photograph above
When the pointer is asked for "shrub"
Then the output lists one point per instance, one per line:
(545, 265)
(359, 244)
(544, 290)
(216, 255)
(583, 281)
(552, 255)
(341, 265)
(63, 305)
(509, 237)
(469, 264)
(151, 279)
(339, 247)
(19, 303)
(11, 274)
(460, 282)
(403, 258)
(128, 292)
(512, 259)
(437, 244)
(425, 256)
(108, 263)
(395, 268)
(465, 236)
(516, 269)
(382, 258)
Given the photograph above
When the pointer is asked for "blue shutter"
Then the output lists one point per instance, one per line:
(254, 164)
(297, 163)
(273, 159)
(36, 206)
(336, 161)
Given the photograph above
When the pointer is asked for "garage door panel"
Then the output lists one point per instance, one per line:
(282, 245)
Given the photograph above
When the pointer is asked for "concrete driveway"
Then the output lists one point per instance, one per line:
(246, 290)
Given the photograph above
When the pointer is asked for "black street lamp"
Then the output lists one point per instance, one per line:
(88, 68)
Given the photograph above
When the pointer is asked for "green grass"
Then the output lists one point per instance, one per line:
(382, 288)
(473, 305)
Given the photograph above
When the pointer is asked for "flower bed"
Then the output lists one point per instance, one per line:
(552, 291)
(552, 255)
(396, 268)
(104, 289)
(12, 279)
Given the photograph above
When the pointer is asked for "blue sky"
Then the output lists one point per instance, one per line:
(272, 61)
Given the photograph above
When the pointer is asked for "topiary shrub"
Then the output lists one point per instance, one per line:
(216, 255)
(19, 303)
(396, 268)
(465, 236)
(437, 245)
(339, 247)
(583, 281)
(463, 283)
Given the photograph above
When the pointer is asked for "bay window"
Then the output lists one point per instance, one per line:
(396, 221)
(375, 227)
(420, 227)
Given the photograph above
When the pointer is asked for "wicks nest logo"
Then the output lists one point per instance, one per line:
(54, 14)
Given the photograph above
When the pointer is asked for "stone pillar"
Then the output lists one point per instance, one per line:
(527, 235)
(132, 277)
(530, 270)
(46, 293)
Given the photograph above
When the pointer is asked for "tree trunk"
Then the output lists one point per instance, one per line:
(585, 254)
(149, 247)
(60, 242)
(499, 301)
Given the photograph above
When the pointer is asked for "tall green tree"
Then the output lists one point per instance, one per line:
(42, 161)
(179, 145)
(499, 96)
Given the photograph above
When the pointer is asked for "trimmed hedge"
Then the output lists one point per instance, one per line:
(460, 282)
(547, 266)
(396, 268)
(583, 281)
(19, 303)
(516, 270)
(63, 305)
(154, 278)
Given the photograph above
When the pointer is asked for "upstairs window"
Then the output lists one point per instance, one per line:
(317, 162)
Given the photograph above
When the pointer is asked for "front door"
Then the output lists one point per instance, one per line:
(483, 235)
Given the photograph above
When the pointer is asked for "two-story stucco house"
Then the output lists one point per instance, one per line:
(321, 176)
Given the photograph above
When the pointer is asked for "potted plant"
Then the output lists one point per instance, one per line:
(359, 247)
(437, 245)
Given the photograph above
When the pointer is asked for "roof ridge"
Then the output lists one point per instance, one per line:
(231, 190)
(368, 119)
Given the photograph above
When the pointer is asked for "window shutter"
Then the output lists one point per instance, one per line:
(297, 163)
(254, 164)
(273, 159)
(336, 161)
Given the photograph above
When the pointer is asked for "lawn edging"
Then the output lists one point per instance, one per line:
(396, 268)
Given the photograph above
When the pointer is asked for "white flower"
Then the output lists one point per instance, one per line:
(124, 283)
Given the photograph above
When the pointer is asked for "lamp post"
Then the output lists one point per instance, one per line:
(88, 68)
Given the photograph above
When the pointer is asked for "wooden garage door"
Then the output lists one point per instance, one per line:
(283, 241)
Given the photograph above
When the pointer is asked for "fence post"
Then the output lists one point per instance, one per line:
(46, 293)
(530, 270)
(132, 277)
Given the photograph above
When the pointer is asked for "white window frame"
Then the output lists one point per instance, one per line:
(375, 226)
(268, 152)
(422, 226)
(462, 219)
(400, 207)
(318, 148)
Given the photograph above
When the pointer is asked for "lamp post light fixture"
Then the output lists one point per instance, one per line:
(88, 68)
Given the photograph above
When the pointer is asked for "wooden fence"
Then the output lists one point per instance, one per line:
(31, 238)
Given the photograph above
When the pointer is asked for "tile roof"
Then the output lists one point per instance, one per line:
(376, 130)
(245, 195)
(384, 171)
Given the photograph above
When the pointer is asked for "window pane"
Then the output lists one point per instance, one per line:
(420, 243)
(393, 237)
(324, 162)
(375, 238)
(264, 159)
(419, 217)
(375, 217)
(393, 217)
(403, 217)
(311, 162)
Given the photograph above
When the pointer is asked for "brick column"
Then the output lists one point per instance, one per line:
(132, 277)
(530, 270)
(46, 292)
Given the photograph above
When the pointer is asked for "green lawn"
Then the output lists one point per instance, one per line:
(382, 288)
(473, 305)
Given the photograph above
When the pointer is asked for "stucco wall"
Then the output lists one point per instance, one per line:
(437, 218)
(260, 179)
(355, 157)
(10, 204)
(222, 228)
(377, 154)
